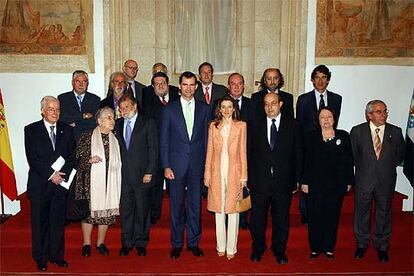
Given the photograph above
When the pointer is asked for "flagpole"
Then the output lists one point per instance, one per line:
(3, 217)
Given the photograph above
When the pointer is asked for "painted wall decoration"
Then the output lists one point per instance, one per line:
(45, 29)
(365, 32)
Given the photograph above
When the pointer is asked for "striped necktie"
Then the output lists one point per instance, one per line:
(377, 143)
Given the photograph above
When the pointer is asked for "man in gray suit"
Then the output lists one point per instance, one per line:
(378, 148)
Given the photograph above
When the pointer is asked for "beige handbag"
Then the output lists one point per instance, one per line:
(245, 203)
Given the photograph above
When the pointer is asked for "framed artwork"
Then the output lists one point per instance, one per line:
(46, 36)
(365, 32)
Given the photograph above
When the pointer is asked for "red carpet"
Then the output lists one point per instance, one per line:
(16, 258)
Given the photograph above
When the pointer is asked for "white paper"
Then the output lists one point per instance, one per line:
(58, 164)
(66, 184)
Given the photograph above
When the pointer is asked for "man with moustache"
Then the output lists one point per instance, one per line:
(79, 106)
(118, 84)
(46, 141)
(271, 82)
(138, 139)
(378, 148)
(183, 143)
(154, 104)
(275, 165)
(149, 90)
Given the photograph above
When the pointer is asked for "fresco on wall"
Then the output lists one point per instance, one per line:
(365, 32)
(42, 27)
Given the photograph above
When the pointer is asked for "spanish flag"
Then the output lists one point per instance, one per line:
(7, 178)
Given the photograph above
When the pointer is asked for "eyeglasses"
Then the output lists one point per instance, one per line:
(380, 112)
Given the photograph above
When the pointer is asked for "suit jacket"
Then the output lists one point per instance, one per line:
(328, 166)
(286, 158)
(217, 91)
(142, 155)
(306, 110)
(237, 171)
(108, 101)
(40, 156)
(287, 108)
(371, 173)
(149, 90)
(139, 87)
(178, 152)
(69, 111)
(152, 106)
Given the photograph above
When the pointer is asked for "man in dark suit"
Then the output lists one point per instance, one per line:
(271, 82)
(158, 67)
(138, 139)
(45, 141)
(378, 148)
(154, 104)
(207, 91)
(133, 87)
(307, 108)
(275, 165)
(183, 145)
(79, 106)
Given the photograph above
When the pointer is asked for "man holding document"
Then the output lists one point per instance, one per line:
(47, 142)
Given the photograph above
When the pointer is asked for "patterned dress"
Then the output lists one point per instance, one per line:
(83, 175)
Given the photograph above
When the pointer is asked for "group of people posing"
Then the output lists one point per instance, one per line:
(203, 134)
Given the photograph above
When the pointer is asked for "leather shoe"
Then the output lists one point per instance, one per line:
(124, 251)
(196, 251)
(282, 258)
(244, 225)
(102, 249)
(360, 252)
(383, 256)
(141, 251)
(61, 263)
(41, 266)
(86, 250)
(329, 255)
(175, 252)
(314, 255)
(154, 220)
(256, 257)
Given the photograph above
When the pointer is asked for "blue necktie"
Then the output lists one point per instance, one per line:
(128, 132)
(79, 99)
(273, 134)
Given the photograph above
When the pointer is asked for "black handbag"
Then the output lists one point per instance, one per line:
(76, 209)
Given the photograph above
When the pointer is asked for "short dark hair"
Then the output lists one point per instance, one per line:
(205, 63)
(321, 69)
(316, 119)
(187, 75)
(159, 74)
(127, 97)
(281, 78)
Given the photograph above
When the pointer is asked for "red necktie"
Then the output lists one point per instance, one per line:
(207, 96)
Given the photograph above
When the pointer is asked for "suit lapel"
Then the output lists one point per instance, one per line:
(385, 140)
(120, 132)
(134, 134)
(45, 135)
(196, 118)
(369, 142)
(180, 120)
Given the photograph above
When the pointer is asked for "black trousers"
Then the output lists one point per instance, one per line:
(323, 219)
(48, 216)
(156, 194)
(135, 214)
(280, 206)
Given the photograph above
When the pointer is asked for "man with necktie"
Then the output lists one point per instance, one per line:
(183, 143)
(307, 108)
(46, 141)
(138, 140)
(154, 103)
(207, 91)
(378, 148)
(275, 165)
(78, 107)
(133, 87)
